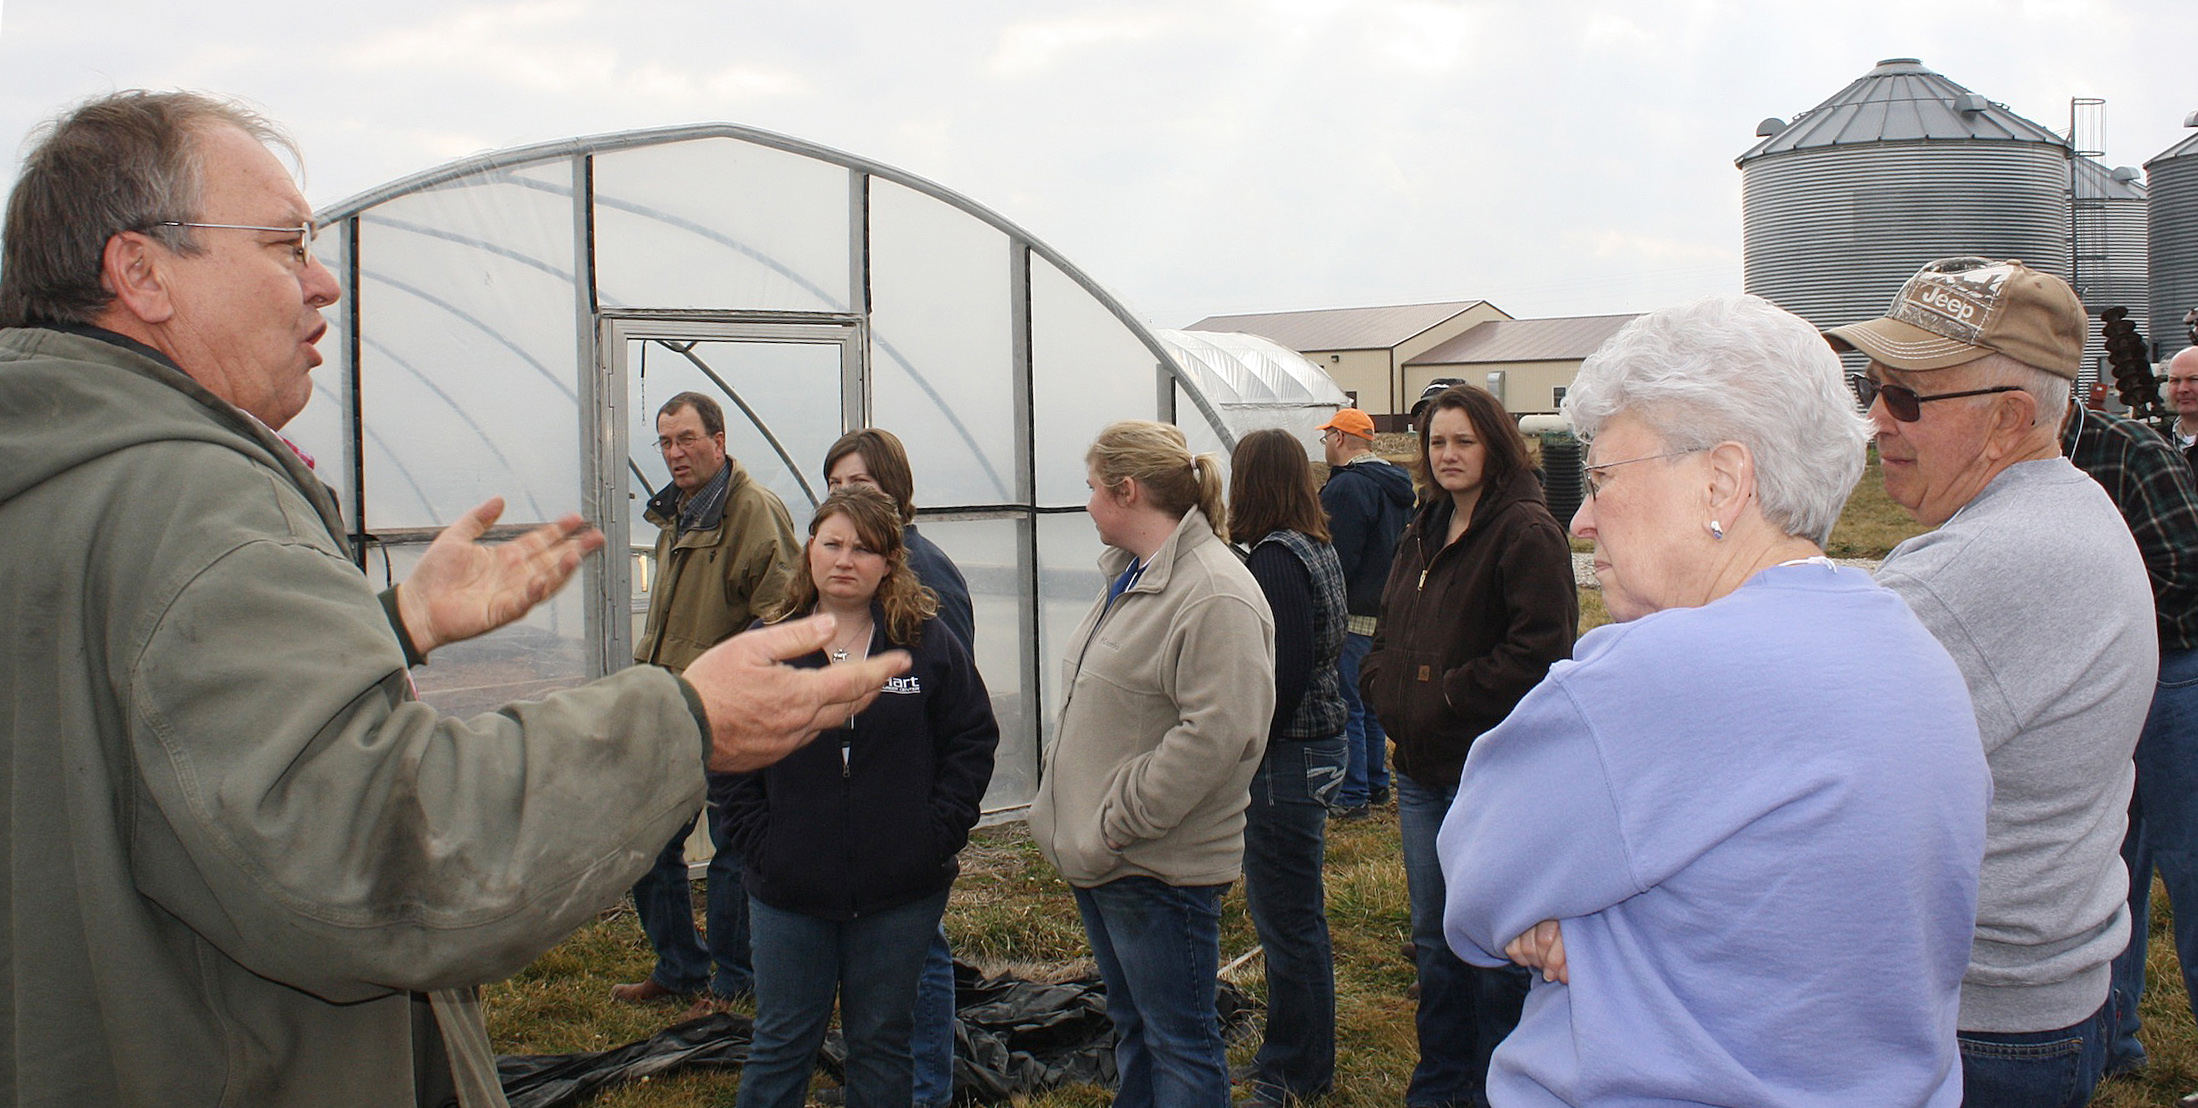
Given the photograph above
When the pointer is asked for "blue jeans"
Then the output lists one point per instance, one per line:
(2034, 1069)
(1369, 769)
(932, 1041)
(2163, 833)
(1284, 845)
(872, 963)
(1159, 950)
(1465, 1010)
(666, 907)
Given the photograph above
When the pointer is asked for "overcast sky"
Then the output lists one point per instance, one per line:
(1193, 156)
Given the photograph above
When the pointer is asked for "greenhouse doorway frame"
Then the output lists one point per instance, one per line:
(775, 439)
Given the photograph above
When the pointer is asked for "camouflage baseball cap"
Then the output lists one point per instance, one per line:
(1957, 310)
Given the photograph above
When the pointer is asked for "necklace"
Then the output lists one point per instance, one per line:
(840, 649)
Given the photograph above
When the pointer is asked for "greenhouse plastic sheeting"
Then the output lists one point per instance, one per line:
(512, 322)
(1014, 1037)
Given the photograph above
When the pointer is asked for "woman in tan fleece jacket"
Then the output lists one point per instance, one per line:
(1170, 684)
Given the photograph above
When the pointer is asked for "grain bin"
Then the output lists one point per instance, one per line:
(2173, 208)
(2108, 215)
(1843, 204)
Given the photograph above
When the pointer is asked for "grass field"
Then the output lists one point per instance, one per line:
(1010, 911)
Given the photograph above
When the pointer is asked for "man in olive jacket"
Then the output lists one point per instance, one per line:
(723, 558)
(243, 865)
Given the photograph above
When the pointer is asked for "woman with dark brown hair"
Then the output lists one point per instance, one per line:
(1480, 601)
(849, 842)
(874, 456)
(1275, 512)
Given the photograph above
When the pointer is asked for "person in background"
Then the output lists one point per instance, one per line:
(2182, 395)
(849, 844)
(724, 552)
(2152, 486)
(2031, 580)
(874, 457)
(1739, 833)
(1480, 601)
(1368, 501)
(1169, 691)
(1273, 510)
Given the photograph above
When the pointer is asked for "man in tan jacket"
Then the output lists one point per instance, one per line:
(723, 557)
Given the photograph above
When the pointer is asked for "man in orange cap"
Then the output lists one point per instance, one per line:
(1368, 501)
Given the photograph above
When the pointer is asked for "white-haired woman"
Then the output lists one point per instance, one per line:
(1739, 833)
(1170, 689)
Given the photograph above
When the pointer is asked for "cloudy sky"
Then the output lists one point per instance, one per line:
(1194, 156)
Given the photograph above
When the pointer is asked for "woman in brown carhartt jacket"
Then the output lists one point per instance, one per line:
(1480, 601)
(1467, 627)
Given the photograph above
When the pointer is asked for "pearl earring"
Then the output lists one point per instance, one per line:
(1717, 531)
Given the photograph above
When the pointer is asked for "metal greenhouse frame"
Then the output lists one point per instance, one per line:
(513, 319)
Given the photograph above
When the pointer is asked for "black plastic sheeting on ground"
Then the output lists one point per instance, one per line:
(1013, 1036)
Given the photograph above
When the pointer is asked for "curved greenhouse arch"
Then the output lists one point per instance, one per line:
(515, 318)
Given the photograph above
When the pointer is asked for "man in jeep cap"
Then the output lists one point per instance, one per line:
(2030, 579)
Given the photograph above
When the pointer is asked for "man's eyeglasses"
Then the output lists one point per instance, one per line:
(687, 440)
(1905, 403)
(1597, 476)
(301, 251)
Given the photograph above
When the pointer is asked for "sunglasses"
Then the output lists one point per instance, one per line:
(1904, 403)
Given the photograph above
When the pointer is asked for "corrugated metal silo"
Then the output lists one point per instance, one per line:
(2109, 256)
(1841, 206)
(2173, 177)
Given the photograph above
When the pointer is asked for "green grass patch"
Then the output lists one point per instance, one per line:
(1011, 911)
(1871, 525)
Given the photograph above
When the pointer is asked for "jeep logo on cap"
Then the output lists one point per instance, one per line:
(1954, 298)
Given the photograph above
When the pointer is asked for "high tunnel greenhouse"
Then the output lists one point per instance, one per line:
(515, 319)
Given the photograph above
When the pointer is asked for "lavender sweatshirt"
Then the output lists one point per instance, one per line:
(1760, 823)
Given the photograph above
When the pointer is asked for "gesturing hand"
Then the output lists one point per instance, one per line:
(463, 587)
(1542, 947)
(761, 711)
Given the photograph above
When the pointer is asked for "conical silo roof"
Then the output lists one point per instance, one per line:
(1901, 101)
(2183, 149)
(1901, 166)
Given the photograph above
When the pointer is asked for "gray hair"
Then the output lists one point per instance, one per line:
(1738, 369)
(120, 162)
(2048, 388)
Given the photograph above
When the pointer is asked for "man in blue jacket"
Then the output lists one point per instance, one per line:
(1368, 501)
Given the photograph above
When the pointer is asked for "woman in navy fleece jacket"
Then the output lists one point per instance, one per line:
(850, 841)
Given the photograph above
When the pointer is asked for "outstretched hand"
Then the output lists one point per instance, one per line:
(463, 587)
(1542, 948)
(761, 711)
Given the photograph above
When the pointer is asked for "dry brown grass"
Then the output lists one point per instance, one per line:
(1871, 525)
(1009, 910)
